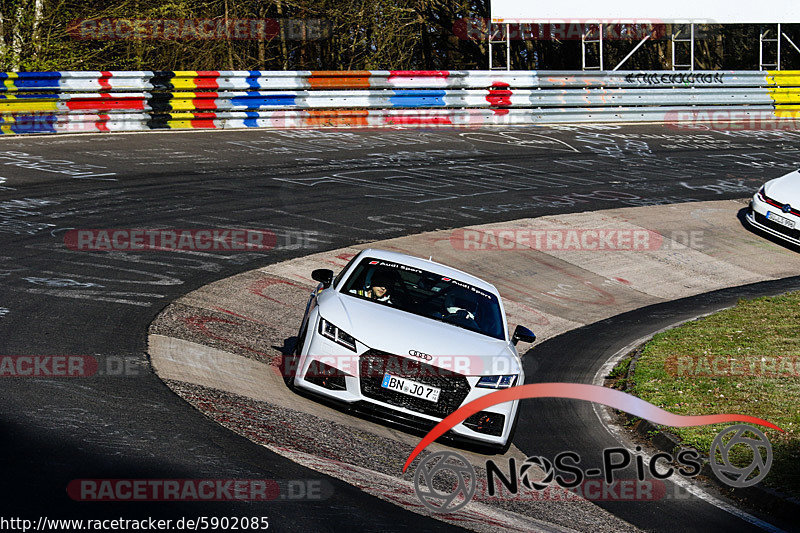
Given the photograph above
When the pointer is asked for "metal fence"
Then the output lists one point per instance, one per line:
(56, 102)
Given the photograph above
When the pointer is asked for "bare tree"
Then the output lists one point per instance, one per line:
(16, 38)
(3, 46)
(36, 33)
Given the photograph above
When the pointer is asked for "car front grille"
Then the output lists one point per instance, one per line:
(779, 205)
(764, 221)
(374, 363)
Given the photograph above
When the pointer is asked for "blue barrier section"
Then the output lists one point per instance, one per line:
(30, 123)
(417, 98)
(252, 120)
(258, 100)
(29, 80)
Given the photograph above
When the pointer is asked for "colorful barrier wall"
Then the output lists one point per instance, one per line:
(55, 102)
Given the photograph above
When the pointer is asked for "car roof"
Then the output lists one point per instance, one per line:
(431, 266)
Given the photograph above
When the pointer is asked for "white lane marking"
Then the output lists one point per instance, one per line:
(616, 433)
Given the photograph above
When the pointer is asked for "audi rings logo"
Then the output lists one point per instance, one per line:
(445, 482)
(420, 355)
(740, 435)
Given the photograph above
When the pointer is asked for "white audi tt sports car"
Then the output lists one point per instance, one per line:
(775, 208)
(409, 341)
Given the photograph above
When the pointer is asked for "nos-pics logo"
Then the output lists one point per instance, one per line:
(446, 481)
(740, 435)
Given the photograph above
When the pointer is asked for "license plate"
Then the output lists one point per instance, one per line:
(410, 388)
(780, 220)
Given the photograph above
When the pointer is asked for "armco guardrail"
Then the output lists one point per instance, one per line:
(53, 102)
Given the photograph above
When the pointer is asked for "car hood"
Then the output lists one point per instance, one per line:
(785, 190)
(397, 332)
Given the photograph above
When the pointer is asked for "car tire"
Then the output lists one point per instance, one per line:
(288, 377)
(501, 450)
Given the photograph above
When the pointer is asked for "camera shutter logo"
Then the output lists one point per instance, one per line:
(720, 459)
(544, 464)
(453, 497)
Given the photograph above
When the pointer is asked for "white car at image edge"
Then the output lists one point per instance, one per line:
(409, 341)
(775, 208)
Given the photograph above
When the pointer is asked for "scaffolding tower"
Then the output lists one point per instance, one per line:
(682, 36)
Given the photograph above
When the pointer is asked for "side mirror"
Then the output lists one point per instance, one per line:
(521, 333)
(324, 276)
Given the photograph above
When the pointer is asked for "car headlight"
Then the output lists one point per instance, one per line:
(497, 382)
(328, 330)
(761, 195)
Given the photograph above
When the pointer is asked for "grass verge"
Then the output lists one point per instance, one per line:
(743, 360)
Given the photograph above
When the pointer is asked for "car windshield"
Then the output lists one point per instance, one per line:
(426, 294)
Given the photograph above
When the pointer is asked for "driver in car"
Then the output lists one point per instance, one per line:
(379, 289)
(458, 307)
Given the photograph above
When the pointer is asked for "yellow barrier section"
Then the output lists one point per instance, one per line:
(184, 120)
(784, 89)
(9, 82)
(184, 101)
(179, 124)
(180, 121)
(5, 126)
(14, 104)
(784, 78)
(184, 79)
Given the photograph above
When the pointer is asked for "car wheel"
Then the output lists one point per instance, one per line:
(501, 450)
(290, 359)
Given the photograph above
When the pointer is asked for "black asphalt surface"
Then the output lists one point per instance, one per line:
(552, 426)
(345, 186)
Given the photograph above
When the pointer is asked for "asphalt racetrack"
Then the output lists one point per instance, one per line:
(316, 190)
